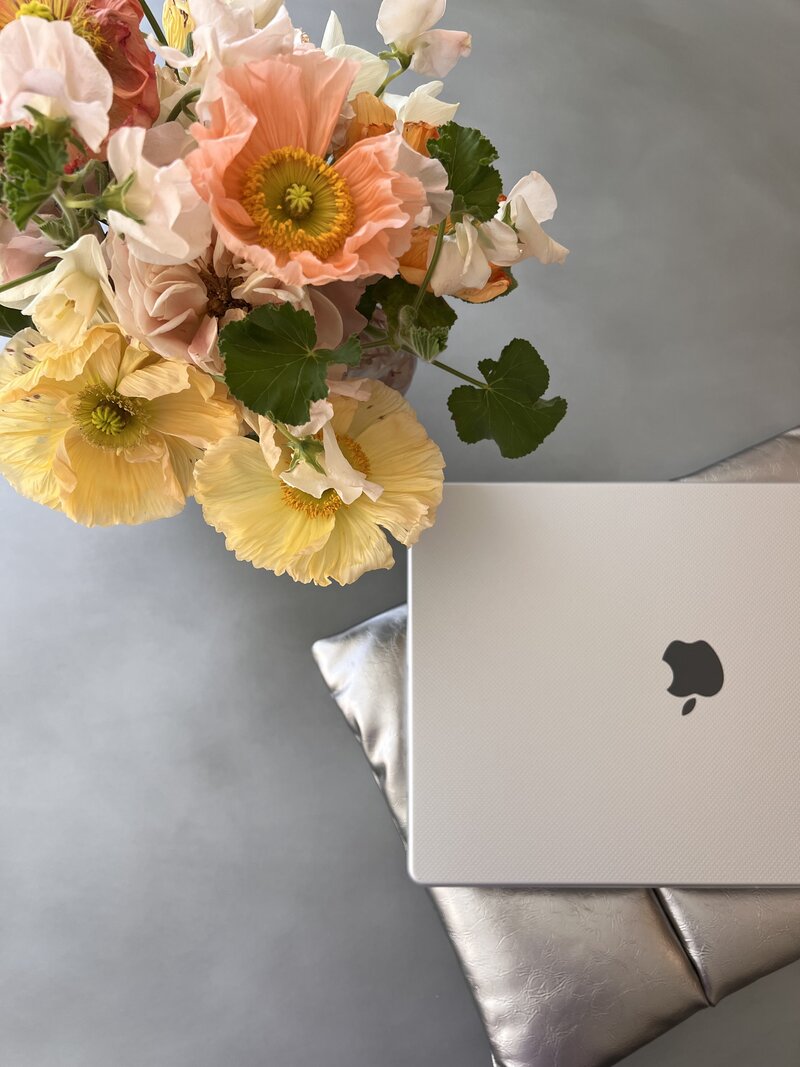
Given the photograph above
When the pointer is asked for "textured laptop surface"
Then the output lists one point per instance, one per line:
(551, 742)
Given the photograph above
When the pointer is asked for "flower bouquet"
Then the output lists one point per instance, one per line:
(217, 240)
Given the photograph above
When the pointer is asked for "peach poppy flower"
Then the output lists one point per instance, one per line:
(262, 166)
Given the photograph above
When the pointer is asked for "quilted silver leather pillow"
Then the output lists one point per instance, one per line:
(568, 977)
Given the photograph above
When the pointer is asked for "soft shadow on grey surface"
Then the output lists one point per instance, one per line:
(196, 868)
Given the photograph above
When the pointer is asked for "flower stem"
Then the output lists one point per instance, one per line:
(148, 14)
(404, 62)
(68, 213)
(437, 250)
(29, 277)
(183, 104)
(375, 342)
(452, 370)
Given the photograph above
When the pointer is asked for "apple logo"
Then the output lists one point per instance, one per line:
(696, 671)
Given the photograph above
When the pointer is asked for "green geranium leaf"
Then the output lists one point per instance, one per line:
(272, 363)
(12, 321)
(422, 331)
(32, 162)
(509, 409)
(467, 156)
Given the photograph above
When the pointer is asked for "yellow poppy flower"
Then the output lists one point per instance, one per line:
(106, 432)
(318, 539)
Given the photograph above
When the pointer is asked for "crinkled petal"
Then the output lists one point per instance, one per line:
(157, 379)
(355, 545)
(410, 467)
(202, 414)
(242, 499)
(53, 362)
(30, 433)
(101, 488)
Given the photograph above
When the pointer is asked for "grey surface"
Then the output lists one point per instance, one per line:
(197, 869)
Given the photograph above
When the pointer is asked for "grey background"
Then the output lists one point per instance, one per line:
(196, 867)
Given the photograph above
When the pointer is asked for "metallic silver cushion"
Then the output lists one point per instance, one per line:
(567, 977)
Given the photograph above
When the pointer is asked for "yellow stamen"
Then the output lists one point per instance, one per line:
(354, 454)
(108, 420)
(36, 9)
(298, 203)
(315, 508)
(75, 12)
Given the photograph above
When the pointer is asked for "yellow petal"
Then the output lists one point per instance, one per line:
(181, 458)
(410, 467)
(30, 432)
(202, 414)
(101, 488)
(355, 546)
(382, 401)
(52, 362)
(243, 500)
(157, 379)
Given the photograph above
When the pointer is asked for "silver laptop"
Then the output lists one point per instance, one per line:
(605, 686)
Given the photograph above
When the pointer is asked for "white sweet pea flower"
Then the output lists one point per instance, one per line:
(75, 296)
(373, 71)
(263, 11)
(172, 222)
(408, 25)
(422, 105)
(530, 203)
(469, 253)
(433, 177)
(45, 66)
(228, 35)
(336, 472)
(339, 474)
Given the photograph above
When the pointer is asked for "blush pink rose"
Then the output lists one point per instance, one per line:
(178, 311)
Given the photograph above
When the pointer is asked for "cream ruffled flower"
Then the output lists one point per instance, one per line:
(75, 296)
(172, 223)
(106, 432)
(44, 65)
(178, 310)
(320, 539)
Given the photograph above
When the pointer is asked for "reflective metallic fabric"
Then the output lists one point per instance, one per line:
(574, 978)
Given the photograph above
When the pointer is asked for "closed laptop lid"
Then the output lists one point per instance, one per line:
(603, 686)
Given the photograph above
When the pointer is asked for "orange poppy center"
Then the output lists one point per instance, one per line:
(298, 203)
